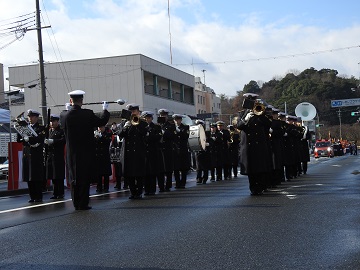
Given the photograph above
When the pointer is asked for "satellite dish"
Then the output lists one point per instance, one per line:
(306, 111)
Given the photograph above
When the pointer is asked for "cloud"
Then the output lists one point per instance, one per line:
(106, 28)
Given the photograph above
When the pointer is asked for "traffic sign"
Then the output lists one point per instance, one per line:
(345, 102)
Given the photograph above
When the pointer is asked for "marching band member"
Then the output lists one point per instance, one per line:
(78, 125)
(102, 158)
(213, 145)
(305, 155)
(233, 150)
(223, 154)
(134, 132)
(154, 157)
(167, 146)
(290, 149)
(115, 147)
(277, 148)
(255, 156)
(182, 164)
(33, 158)
(203, 158)
(55, 162)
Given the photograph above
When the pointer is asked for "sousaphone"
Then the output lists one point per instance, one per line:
(306, 111)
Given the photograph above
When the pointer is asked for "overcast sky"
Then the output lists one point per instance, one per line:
(235, 41)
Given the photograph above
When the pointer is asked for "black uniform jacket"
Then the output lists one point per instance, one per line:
(78, 125)
(33, 156)
(167, 144)
(102, 145)
(277, 143)
(255, 156)
(154, 156)
(182, 159)
(55, 161)
(134, 149)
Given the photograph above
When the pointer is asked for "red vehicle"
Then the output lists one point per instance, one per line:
(323, 148)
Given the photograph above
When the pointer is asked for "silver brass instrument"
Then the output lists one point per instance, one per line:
(115, 154)
(23, 127)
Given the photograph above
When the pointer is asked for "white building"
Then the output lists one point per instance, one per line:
(135, 78)
(207, 103)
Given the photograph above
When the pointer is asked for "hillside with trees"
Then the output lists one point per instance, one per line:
(318, 87)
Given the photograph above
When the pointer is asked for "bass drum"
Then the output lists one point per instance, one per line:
(197, 138)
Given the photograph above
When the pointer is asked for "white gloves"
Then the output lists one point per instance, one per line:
(105, 105)
(207, 144)
(49, 141)
(127, 124)
(67, 106)
(285, 134)
(177, 129)
(248, 116)
(26, 138)
(270, 130)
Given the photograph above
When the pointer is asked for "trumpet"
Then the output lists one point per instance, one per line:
(258, 108)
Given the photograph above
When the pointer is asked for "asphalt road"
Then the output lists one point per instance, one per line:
(309, 223)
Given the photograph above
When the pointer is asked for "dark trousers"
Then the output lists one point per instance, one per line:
(168, 183)
(304, 167)
(35, 190)
(180, 181)
(118, 174)
(99, 186)
(136, 185)
(212, 172)
(150, 184)
(257, 183)
(234, 169)
(80, 194)
(161, 181)
(202, 175)
(219, 172)
(58, 187)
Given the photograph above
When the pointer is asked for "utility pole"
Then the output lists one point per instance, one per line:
(41, 65)
(339, 114)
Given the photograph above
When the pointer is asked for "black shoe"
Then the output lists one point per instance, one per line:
(106, 190)
(38, 200)
(198, 181)
(167, 189)
(98, 190)
(61, 197)
(138, 197)
(162, 190)
(212, 179)
(83, 208)
(132, 197)
(125, 187)
(31, 201)
(147, 193)
(54, 198)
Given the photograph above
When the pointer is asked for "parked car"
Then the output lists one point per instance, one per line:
(323, 149)
(4, 168)
(338, 149)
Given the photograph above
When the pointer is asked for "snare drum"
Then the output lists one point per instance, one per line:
(197, 138)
